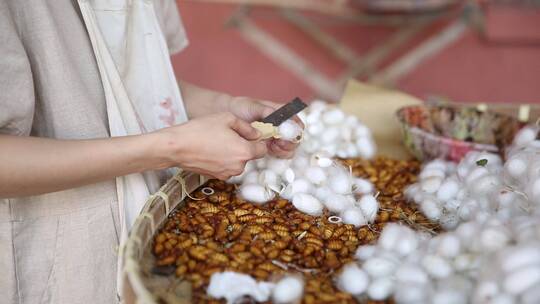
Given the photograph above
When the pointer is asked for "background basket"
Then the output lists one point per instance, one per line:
(449, 131)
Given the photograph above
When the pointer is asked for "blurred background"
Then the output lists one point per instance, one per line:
(466, 51)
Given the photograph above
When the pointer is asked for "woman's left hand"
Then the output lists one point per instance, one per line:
(251, 110)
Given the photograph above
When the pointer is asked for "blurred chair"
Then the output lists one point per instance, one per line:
(337, 7)
(404, 6)
(407, 18)
(522, 15)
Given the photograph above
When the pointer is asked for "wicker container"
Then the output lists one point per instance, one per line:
(450, 131)
(141, 286)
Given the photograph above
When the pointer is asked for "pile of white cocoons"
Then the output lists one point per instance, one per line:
(481, 186)
(312, 183)
(379, 268)
(330, 130)
(476, 263)
(449, 194)
(312, 180)
(489, 254)
(234, 287)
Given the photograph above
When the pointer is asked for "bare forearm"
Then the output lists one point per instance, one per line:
(31, 165)
(200, 101)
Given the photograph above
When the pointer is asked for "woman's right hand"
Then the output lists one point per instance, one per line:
(217, 145)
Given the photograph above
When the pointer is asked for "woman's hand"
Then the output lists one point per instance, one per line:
(200, 102)
(217, 145)
(251, 110)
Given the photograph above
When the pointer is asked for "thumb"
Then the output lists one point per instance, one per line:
(259, 149)
(257, 111)
(266, 110)
(244, 129)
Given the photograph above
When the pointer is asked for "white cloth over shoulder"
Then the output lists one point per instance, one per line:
(59, 247)
(141, 90)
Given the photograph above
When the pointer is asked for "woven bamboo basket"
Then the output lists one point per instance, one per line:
(141, 285)
(451, 130)
(136, 254)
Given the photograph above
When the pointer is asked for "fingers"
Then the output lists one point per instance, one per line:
(250, 109)
(258, 111)
(251, 150)
(259, 149)
(281, 148)
(286, 145)
(272, 106)
(244, 129)
(278, 148)
(280, 153)
(266, 111)
(299, 121)
(254, 149)
(225, 173)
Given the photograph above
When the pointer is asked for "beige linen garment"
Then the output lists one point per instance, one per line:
(58, 247)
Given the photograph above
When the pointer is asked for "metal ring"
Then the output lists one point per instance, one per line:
(334, 219)
(207, 191)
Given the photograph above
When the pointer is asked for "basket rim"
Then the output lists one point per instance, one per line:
(434, 136)
(399, 112)
(474, 145)
(133, 285)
